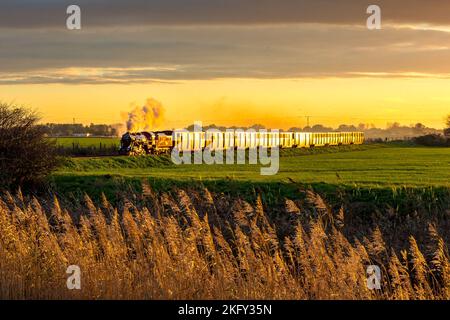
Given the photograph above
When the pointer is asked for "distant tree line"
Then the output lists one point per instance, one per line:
(393, 131)
(78, 129)
(436, 140)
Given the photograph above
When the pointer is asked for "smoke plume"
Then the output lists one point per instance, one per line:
(145, 118)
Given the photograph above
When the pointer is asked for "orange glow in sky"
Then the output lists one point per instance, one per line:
(277, 103)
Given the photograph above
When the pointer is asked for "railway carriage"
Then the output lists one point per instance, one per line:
(286, 139)
(239, 140)
(214, 140)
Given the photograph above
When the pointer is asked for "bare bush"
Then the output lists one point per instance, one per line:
(25, 155)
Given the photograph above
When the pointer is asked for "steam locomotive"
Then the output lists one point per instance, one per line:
(142, 143)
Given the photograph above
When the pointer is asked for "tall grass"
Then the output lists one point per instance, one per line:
(188, 245)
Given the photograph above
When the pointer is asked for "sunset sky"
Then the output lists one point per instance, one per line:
(229, 62)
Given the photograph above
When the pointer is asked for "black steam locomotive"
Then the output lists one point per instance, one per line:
(141, 143)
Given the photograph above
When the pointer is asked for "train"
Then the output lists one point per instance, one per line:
(159, 142)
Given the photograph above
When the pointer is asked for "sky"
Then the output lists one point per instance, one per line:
(229, 62)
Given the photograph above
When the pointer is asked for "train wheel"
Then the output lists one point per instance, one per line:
(137, 151)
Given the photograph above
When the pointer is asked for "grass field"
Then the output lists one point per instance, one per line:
(68, 142)
(367, 166)
(382, 175)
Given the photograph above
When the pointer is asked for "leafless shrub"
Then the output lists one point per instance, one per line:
(25, 155)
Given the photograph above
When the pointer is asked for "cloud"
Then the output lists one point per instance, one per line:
(51, 13)
(137, 41)
(148, 54)
(84, 76)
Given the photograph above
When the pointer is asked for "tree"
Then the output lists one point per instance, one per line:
(394, 125)
(26, 156)
(320, 128)
(361, 127)
(346, 128)
(257, 127)
(419, 126)
(447, 130)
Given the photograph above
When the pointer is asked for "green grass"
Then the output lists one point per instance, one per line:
(112, 164)
(363, 199)
(366, 178)
(361, 166)
(68, 142)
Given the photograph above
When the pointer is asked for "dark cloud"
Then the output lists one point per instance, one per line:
(135, 55)
(51, 13)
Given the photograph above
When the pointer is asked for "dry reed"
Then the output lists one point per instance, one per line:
(200, 246)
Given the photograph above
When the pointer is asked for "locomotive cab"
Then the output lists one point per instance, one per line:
(140, 143)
